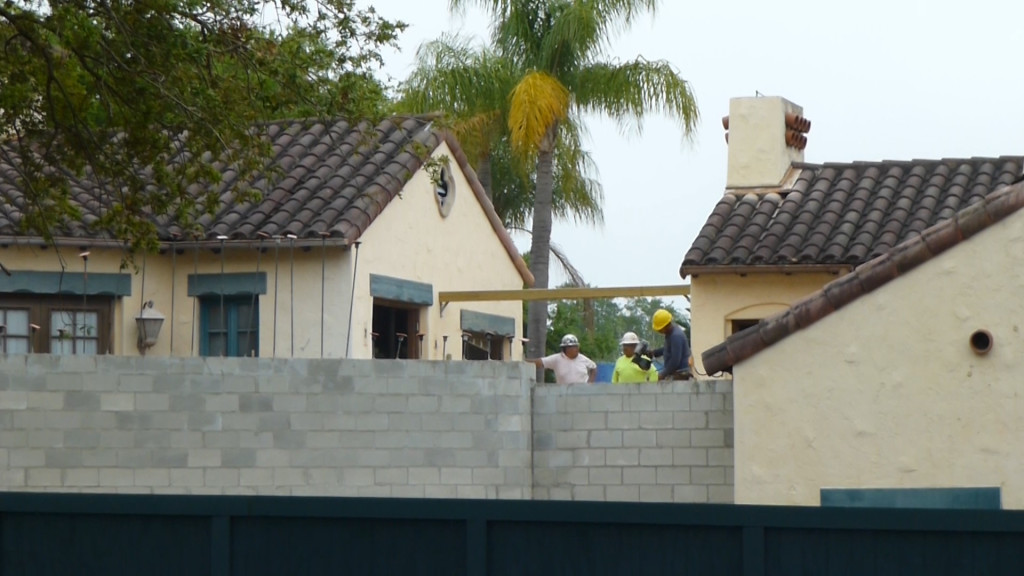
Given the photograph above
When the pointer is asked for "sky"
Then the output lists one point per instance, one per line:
(879, 80)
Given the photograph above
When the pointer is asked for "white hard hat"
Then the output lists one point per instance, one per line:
(630, 338)
(569, 340)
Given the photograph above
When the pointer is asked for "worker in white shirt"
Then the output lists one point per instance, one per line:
(569, 366)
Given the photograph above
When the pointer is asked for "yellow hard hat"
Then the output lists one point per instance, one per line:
(661, 319)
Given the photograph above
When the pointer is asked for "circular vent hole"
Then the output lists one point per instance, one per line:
(981, 341)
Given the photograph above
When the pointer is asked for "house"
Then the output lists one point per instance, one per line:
(343, 257)
(785, 228)
(902, 374)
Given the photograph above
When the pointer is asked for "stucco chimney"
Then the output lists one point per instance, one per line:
(765, 134)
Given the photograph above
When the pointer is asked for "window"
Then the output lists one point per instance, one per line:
(395, 330)
(55, 324)
(484, 346)
(739, 325)
(229, 331)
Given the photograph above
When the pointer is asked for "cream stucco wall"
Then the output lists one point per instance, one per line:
(410, 240)
(717, 299)
(758, 154)
(886, 391)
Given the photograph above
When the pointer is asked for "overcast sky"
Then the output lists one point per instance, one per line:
(896, 79)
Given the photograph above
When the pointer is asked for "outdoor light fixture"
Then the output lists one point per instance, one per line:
(149, 322)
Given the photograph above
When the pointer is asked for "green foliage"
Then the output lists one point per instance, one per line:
(600, 324)
(143, 94)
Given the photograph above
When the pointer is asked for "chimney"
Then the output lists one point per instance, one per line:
(765, 134)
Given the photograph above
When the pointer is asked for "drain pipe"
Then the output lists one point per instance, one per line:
(351, 302)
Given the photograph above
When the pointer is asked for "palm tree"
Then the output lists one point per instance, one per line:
(542, 72)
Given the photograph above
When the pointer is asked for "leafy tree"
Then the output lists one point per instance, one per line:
(541, 72)
(142, 94)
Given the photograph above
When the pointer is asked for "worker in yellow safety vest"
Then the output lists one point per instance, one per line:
(633, 366)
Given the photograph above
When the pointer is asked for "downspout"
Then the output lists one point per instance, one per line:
(351, 302)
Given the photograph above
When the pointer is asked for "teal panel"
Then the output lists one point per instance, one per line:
(962, 498)
(401, 290)
(234, 284)
(96, 284)
(483, 322)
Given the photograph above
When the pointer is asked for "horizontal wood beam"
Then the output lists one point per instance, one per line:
(563, 293)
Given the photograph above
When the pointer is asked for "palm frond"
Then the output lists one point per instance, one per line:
(570, 270)
(538, 101)
(630, 91)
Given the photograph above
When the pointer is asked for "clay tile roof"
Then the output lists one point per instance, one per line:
(841, 215)
(328, 178)
(903, 257)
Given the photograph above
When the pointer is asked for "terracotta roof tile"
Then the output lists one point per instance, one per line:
(842, 214)
(332, 178)
(870, 275)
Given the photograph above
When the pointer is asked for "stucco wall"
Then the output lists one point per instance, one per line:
(667, 442)
(410, 240)
(886, 392)
(716, 299)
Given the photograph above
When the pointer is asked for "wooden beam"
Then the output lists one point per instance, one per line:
(563, 293)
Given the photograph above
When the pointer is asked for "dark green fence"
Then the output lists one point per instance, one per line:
(109, 535)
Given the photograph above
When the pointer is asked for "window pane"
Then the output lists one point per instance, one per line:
(16, 345)
(215, 320)
(217, 345)
(246, 317)
(247, 344)
(17, 322)
(62, 323)
(87, 324)
(61, 346)
(86, 346)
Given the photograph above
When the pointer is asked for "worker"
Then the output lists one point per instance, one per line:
(634, 365)
(676, 350)
(569, 366)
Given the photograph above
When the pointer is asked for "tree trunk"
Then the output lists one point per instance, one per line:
(483, 174)
(540, 246)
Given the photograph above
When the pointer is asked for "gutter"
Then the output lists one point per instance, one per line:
(213, 244)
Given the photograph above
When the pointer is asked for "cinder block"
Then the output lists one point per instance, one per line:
(290, 439)
(605, 476)
(730, 475)
(205, 421)
(373, 422)
(690, 420)
(166, 420)
(204, 458)
(672, 475)
(709, 475)
(623, 420)
(24, 458)
(221, 439)
(391, 476)
(115, 477)
(424, 475)
(221, 477)
(673, 402)
(117, 439)
(488, 476)
(152, 402)
(454, 405)
(42, 477)
(185, 478)
(404, 422)
(673, 438)
(135, 383)
(63, 458)
(656, 493)
(707, 402)
(640, 403)
(720, 420)
(98, 420)
(238, 383)
(589, 457)
(357, 476)
(473, 458)
(187, 402)
(639, 438)
(170, 458)
(101, 458)
(386, 403)
(81, 439)
(153, 477)
(56, 381)
(720, 457)
(72, 400)
(133, 458)
(592, 493)
(690, 456)
(560, 493)
(707, 438)
(696, 494)
(249, 439)
(306, 421)
(655, 456)
(238, 457)
(574, 439)
(656, 420)
(622, 493)
(456, 475)
(407, 491)
(423, 404)
(606, 403)
(315, 440)
(623, 456)
(606, 439)
(576, 404)
(41, 401)
(373, 458)
(589, 421)
(638, 475)
(152, 439)
(440, 491)
(470, 492)
(512, 493)
(81, 477)
(543, 441)
(552, 422)
(721, 494)
(288, 402)
(20, 439)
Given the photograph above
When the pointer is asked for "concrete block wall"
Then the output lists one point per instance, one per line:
(670, 442)
(265, 426)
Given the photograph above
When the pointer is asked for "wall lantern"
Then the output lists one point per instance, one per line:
(149, 322)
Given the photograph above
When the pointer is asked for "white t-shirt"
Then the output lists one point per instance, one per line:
(570, 371)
